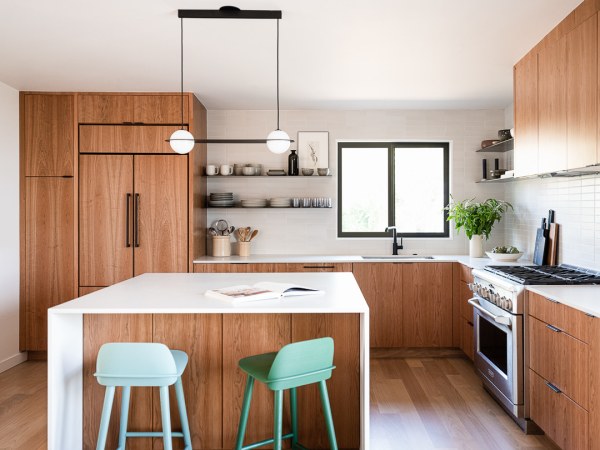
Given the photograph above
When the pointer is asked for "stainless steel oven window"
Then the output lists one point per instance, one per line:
(493, 344)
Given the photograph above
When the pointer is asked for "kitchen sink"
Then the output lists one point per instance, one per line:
(398, 257)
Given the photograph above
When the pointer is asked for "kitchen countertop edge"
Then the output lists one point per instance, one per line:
(585, 298)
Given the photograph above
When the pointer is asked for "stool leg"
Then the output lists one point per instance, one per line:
(327, 413)
(294, 408)
(278, 419)
(124, 416)
(245, 411)
(165, 413)
(185, 426)
(109, 395)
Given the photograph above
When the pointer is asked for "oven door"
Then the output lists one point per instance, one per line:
(499, 349)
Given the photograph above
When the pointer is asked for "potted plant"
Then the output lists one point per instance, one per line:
(477, 219)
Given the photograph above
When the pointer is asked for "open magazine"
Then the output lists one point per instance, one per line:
(260, 291)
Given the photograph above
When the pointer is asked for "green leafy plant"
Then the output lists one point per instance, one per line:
(476, 218)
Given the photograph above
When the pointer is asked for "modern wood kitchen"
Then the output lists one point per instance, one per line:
(246, 235)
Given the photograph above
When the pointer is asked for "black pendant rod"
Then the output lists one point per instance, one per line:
(278, 74)
(181, 73)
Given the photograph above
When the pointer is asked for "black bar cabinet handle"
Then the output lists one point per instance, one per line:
(319, 267)
(127, 224)
(554, 388)
(136, 220)
(553, 328)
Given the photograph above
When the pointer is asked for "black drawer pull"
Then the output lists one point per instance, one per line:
(553, 328)
(319, 267)
(554, 388)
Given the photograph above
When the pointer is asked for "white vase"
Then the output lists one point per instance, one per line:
(476, 246)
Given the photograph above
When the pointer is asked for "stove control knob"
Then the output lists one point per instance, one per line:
(509, 304)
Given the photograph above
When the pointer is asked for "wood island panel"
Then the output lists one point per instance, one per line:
(427, 307)
(247, 335)
(97, 330)
(343, 386)
(199, 335)
(238, 268)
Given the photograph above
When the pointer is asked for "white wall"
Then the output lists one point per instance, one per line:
(313, 231)
(9, 228)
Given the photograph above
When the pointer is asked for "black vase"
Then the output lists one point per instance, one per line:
(293, 164)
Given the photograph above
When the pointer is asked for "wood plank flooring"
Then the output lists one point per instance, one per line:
(418, 402)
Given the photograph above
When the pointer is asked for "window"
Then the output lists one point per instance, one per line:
(402, 184)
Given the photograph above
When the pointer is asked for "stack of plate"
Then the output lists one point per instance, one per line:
(254, 203)
(280, 202)
(221, 200)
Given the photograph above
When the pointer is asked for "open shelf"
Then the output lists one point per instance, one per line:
(497, 180)
(287, 177)
(500, 147)
(267, 207)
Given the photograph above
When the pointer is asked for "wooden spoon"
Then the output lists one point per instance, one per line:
(253, 235)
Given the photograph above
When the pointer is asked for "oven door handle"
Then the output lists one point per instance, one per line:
(474, 302)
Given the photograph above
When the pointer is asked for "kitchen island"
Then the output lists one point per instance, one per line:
(172, 309)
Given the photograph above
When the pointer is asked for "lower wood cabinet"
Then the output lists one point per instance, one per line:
(271, 267)
(49, 258)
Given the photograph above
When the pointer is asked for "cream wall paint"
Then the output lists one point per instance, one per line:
(9, 228)
(313, 231)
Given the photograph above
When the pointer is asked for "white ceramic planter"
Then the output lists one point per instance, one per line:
(476, 246)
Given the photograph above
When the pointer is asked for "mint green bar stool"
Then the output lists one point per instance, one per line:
(127, 365)
(295, 365)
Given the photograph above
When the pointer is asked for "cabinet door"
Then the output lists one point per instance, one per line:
(125, 139)
(319, 267)
(160, 214)
(105, 234)
(105, 108)
(427, 304)
(526, 115)
(552, 88)
(48, 135)
(160, 109)
(49, 253)
(582, 89)
(381, 285)
(466, 321)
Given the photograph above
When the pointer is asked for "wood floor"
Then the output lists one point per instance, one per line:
(417, 402)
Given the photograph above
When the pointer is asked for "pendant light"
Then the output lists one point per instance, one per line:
(182, 141)
(278, 141)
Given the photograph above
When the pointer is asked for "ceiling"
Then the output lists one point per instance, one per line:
(335, 54)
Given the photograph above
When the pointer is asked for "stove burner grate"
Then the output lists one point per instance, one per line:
(563, 274)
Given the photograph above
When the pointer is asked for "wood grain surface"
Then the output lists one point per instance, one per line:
(49, 253)
(160, 109)
(569, 320)
(105, 108)
(84, 290)
(48, 134)
(105, 181)
(125, 138)
(526, 115)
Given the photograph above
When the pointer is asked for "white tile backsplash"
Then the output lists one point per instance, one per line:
(313, 231)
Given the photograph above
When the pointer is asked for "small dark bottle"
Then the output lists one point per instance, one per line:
(293, 164)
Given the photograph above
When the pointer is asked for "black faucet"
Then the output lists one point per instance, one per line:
(395, 246)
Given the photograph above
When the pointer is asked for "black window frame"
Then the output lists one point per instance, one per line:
(391, 145)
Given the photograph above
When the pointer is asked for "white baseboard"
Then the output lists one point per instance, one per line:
(11, 362)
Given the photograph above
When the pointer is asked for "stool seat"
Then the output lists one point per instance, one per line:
(294, 365)
(134, 364)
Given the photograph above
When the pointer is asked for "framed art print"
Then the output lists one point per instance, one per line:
(313, 149)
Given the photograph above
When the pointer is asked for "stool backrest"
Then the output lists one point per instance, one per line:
(135, 364)
(302, 363)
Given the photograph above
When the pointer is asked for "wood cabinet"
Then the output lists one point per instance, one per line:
(271, 267)
(48, 134)
(318, 267)
(125, 138)
(132, 108)
(49, 254)
(381, 285)
(526, 115)
(133, 216)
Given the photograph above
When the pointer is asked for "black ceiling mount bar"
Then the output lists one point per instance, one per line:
(227, 13)
(228, 141)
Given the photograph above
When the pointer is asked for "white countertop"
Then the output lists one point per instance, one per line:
(474, 263)
(584, 298)
(169, 293)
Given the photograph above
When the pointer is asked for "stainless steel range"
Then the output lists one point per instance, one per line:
(498, 307)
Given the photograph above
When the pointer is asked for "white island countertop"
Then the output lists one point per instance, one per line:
(585, 298)
(184, 293)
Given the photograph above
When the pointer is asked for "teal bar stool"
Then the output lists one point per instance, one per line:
(295, 365)
(141, 364)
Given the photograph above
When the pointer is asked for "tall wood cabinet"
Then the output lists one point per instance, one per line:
(119, 209)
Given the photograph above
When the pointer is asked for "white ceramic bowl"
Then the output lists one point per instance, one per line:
(504, 256)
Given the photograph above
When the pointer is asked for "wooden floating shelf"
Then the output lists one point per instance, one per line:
(215, 177)
(267, 207)
(500, 147)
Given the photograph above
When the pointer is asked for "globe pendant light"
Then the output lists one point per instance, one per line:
(278, 141)
(182, 141)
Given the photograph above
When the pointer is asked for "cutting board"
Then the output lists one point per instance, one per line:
(539, 252)
(553, 244)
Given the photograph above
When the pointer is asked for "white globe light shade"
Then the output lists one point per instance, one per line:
(278, 141)
(182, 142)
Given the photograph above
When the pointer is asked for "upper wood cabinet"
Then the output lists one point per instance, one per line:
(526, 116)
(132, 108)
(125, 138)
(48, 134)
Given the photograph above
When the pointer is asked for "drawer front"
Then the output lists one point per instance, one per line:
(466, 338)
(560, 359)
(466, 310)
(466, 273)
(562, 420)
(319, 267)
(569, 320)
(125, 138)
